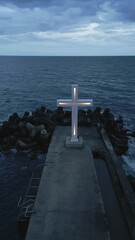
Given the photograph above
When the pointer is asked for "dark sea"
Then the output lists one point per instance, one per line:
(30, 82)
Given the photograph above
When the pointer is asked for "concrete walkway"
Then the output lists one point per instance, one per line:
(69, 204)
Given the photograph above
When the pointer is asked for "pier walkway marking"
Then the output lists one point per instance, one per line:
(69, 204)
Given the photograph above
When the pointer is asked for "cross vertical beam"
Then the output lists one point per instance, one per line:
(74, 131)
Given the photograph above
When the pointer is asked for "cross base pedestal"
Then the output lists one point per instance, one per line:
(70, 144)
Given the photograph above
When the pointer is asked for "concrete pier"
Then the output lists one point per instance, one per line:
(69, 205)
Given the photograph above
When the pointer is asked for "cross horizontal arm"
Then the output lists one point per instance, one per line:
(64, 103)
(85, 103)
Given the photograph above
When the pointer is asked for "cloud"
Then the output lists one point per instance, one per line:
(126, 8)
(88, 7)
(30, 26)
(54, 17)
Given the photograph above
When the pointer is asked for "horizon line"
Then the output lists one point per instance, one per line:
(67, 55)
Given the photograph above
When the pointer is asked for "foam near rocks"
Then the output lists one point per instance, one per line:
(128, 159)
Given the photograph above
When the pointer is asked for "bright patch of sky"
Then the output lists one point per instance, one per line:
(57, 27)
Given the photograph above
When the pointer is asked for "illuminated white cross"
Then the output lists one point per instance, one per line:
(74, 103)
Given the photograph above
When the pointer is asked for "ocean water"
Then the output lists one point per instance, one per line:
(30, 82)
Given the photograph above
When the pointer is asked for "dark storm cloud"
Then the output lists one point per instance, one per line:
(37, 3)
(27, 3)
(88, 7)
(126, 8)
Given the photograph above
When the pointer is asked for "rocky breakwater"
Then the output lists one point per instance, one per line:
(115, 129)
(32, 132)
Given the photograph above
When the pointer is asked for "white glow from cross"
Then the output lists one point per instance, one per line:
(74, 103)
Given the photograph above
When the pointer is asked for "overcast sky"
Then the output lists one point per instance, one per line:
(67, 27)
